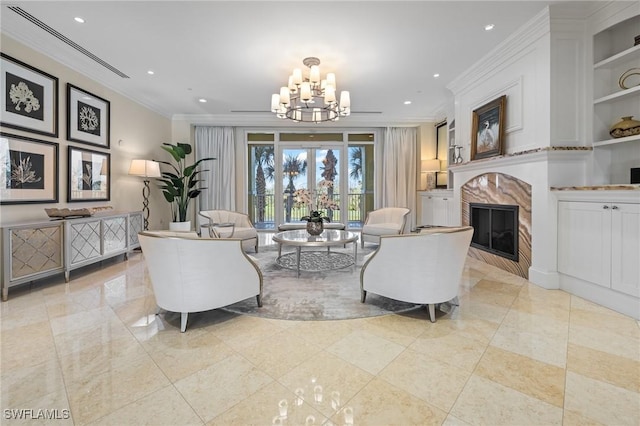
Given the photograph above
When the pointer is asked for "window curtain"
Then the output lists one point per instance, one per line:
(220, 179)
(398, 186)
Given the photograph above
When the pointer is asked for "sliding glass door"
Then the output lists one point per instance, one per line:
(333, 168)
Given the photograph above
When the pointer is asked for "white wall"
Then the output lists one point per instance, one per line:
(136, 132)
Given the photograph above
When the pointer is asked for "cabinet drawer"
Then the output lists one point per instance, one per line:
(35, 250)
(84, 241)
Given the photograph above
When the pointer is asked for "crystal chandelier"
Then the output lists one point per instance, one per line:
(310, 99)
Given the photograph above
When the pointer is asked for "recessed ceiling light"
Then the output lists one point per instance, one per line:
(203, 100)
(150, 72)
(407, 102)
(488, 27)
(436, 75)
(79, 20)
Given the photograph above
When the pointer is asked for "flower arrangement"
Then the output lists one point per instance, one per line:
(318, 201)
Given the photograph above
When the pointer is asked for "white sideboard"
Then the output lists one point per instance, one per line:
(437, 208)
(599, 247)
(34, 250)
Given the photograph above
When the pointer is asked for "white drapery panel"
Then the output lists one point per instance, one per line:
(398, 189)
(220, 179)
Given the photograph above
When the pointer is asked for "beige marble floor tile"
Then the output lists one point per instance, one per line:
(131, 310)
(471, 306)
(536, 323)
(381, 403)
(587, 314)
(23, 314)
(20, 299)
(272, 405)
(365, 350)
(605, 367)
(541, 308)
(601, 402)
(454, 421)
(64, 307)
(100, 359)
(243, 330)
(162, 407)
(128, 379)
(398, 328)
(571, 418)
(484, 402)
(321, 376)
(20, 385)
(279, 353)
(494, 293)
(322, 333)
(429, 379)
(607, 341)
(82, 338)
(26, 345)
(548, 349)
(454, 349)
(212, 391)
(554, 298)
(463, 325)
(534, 378)
(181, 354)
(51, 408)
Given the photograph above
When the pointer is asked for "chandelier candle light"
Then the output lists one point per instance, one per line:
(310, 99)
(145, 169)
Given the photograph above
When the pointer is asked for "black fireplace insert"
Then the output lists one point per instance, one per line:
(495, 229)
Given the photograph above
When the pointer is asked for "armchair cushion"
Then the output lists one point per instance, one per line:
(385, 221)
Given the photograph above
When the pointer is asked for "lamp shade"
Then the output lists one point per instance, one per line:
(429, 166)
(145, 168)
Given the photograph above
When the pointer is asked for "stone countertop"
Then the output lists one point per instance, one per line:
(621, 187)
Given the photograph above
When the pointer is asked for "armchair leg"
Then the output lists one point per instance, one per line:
(432, 312)
(361, 241)
(363, 295)
(183, 321)
(259, 300)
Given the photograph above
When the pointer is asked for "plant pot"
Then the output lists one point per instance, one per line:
(626, 127)
(180, 226)
(315, 228)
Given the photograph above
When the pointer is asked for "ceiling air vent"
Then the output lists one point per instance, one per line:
(66, 40)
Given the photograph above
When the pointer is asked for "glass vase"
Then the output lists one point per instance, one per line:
(315, 228)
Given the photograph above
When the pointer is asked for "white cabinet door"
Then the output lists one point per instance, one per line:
(625, 248)
(584, 241)
(427, 209)
(440, 211)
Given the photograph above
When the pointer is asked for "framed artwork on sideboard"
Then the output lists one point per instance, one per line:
(487, 131)
(30, 98)
(88, 117)
(30, 170)
(89, 177)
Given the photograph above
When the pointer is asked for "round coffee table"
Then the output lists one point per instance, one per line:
(300, 238)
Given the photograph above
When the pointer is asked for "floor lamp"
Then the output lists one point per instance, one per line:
(430, 167)
(145, 169)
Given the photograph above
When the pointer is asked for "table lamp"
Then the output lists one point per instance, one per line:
(145, 169)
(431, 167)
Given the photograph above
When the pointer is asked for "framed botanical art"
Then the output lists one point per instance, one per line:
(89, 176)
(487, 131)
(30, 98)
(88, 117)
(30, 170)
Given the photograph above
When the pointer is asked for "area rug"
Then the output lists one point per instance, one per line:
(315, 295)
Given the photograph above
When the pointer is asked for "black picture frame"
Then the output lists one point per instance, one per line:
(30, 98)
(31, 170)
(88, 117)
(89, 175)
(487, 131)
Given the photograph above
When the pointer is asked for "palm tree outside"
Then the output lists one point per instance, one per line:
(265, 170)
(293, 166)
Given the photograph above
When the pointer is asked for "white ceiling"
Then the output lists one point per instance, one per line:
(236, 54)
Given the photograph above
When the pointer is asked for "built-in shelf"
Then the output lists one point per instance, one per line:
(617, 140)
(618, 95)
(624, 56)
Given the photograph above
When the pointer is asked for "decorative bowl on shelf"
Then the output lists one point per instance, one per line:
(55, 213)
(629, 79)
(627, 127)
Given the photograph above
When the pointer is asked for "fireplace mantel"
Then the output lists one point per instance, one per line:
(543, 155)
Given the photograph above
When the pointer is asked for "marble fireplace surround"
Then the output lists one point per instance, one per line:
(503, 189)
(525, 179)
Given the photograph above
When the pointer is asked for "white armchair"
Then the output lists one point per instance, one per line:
(384, 221)
(420, 268)
(192, 274)
(228, 224)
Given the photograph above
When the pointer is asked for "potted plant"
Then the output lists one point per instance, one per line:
(316, 201)
(180, 185)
